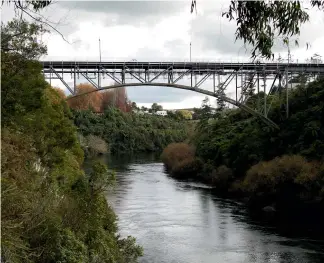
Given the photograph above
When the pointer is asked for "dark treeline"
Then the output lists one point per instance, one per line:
(130, 132)
(51, 210)
(240, 156)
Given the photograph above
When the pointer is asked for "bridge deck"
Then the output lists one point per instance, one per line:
(202, 66)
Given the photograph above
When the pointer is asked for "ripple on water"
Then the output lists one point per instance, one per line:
(182, 222)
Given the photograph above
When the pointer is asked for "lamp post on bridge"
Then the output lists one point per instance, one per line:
(100, 62)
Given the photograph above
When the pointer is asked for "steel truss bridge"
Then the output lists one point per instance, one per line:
(243, 78)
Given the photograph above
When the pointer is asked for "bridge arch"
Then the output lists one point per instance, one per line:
(184, 87)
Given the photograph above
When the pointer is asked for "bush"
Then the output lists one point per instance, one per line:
(187, 168)
(175, 153)
(283, 176)
(96, 145)
(221, 176)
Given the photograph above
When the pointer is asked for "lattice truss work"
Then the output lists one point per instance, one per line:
(231, 83)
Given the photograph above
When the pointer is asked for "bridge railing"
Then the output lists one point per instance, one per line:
(182, 60)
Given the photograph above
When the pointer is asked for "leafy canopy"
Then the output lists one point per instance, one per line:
(21, 37)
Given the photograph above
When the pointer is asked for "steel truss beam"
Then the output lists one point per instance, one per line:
(110, 75)
(87, 78)
(61, 79)
(138, 77)
(174, 72)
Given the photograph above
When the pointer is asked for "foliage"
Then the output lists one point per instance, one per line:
(86, 98)
(156, 107)
(21, 37)
(221, 177)
(185, 114)
(175, 153)
(187, 168)
(94, 145)
(51, 210)
(130, 132)
(92, 100)
(60, 92)
(239, 141)
(29, 4)
(284, 177)
(236, 147)
(204, 112)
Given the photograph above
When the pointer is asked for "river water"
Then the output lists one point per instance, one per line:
(184, 222)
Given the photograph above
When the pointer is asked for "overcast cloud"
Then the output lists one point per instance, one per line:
(156, 30)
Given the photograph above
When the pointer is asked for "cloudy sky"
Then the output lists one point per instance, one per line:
(156, 31)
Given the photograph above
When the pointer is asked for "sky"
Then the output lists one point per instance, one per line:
(156, 31)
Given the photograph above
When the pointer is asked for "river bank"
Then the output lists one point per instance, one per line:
(285, 204)
(278, 171)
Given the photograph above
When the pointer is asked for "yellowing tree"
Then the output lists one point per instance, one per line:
(82, 102)
(185, 114)
(60, 92)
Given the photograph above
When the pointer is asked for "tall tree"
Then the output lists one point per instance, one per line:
(23, 38)
(107, 99)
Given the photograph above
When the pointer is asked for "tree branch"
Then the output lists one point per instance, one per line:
(46, 23)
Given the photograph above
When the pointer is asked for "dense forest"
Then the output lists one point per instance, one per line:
(51, 210)
(130, 132)
(240, 156)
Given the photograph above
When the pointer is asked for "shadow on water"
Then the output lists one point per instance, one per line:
(121, 163)
(184, 221)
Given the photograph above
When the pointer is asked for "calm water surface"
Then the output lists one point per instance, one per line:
(183, 222)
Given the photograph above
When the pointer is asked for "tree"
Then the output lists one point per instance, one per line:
(144, 108)
(134, 106)
(259, 23)
(185, 114)
(23, 38)
(106, 99)
(28, 4)
(92, 100)
(20, 82)
(60, 92)
(205, 108)
(156, 107)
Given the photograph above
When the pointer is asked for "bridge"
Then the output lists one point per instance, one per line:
(242, 78)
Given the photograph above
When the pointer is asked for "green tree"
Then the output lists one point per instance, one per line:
(21, 83)
(23, 38)
(46, 196)
(134, 106)
(156, 107)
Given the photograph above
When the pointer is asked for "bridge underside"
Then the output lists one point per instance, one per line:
(231, 83)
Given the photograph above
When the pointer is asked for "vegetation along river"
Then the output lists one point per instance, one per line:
(183, 222)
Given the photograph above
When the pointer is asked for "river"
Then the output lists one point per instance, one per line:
(184, 222)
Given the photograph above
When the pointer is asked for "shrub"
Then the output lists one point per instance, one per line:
(220, 177)
(96, 145)
(187, 168)
(175, 153)
(286, 175)
(236, 187)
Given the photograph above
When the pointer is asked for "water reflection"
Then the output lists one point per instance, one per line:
(184, 222)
